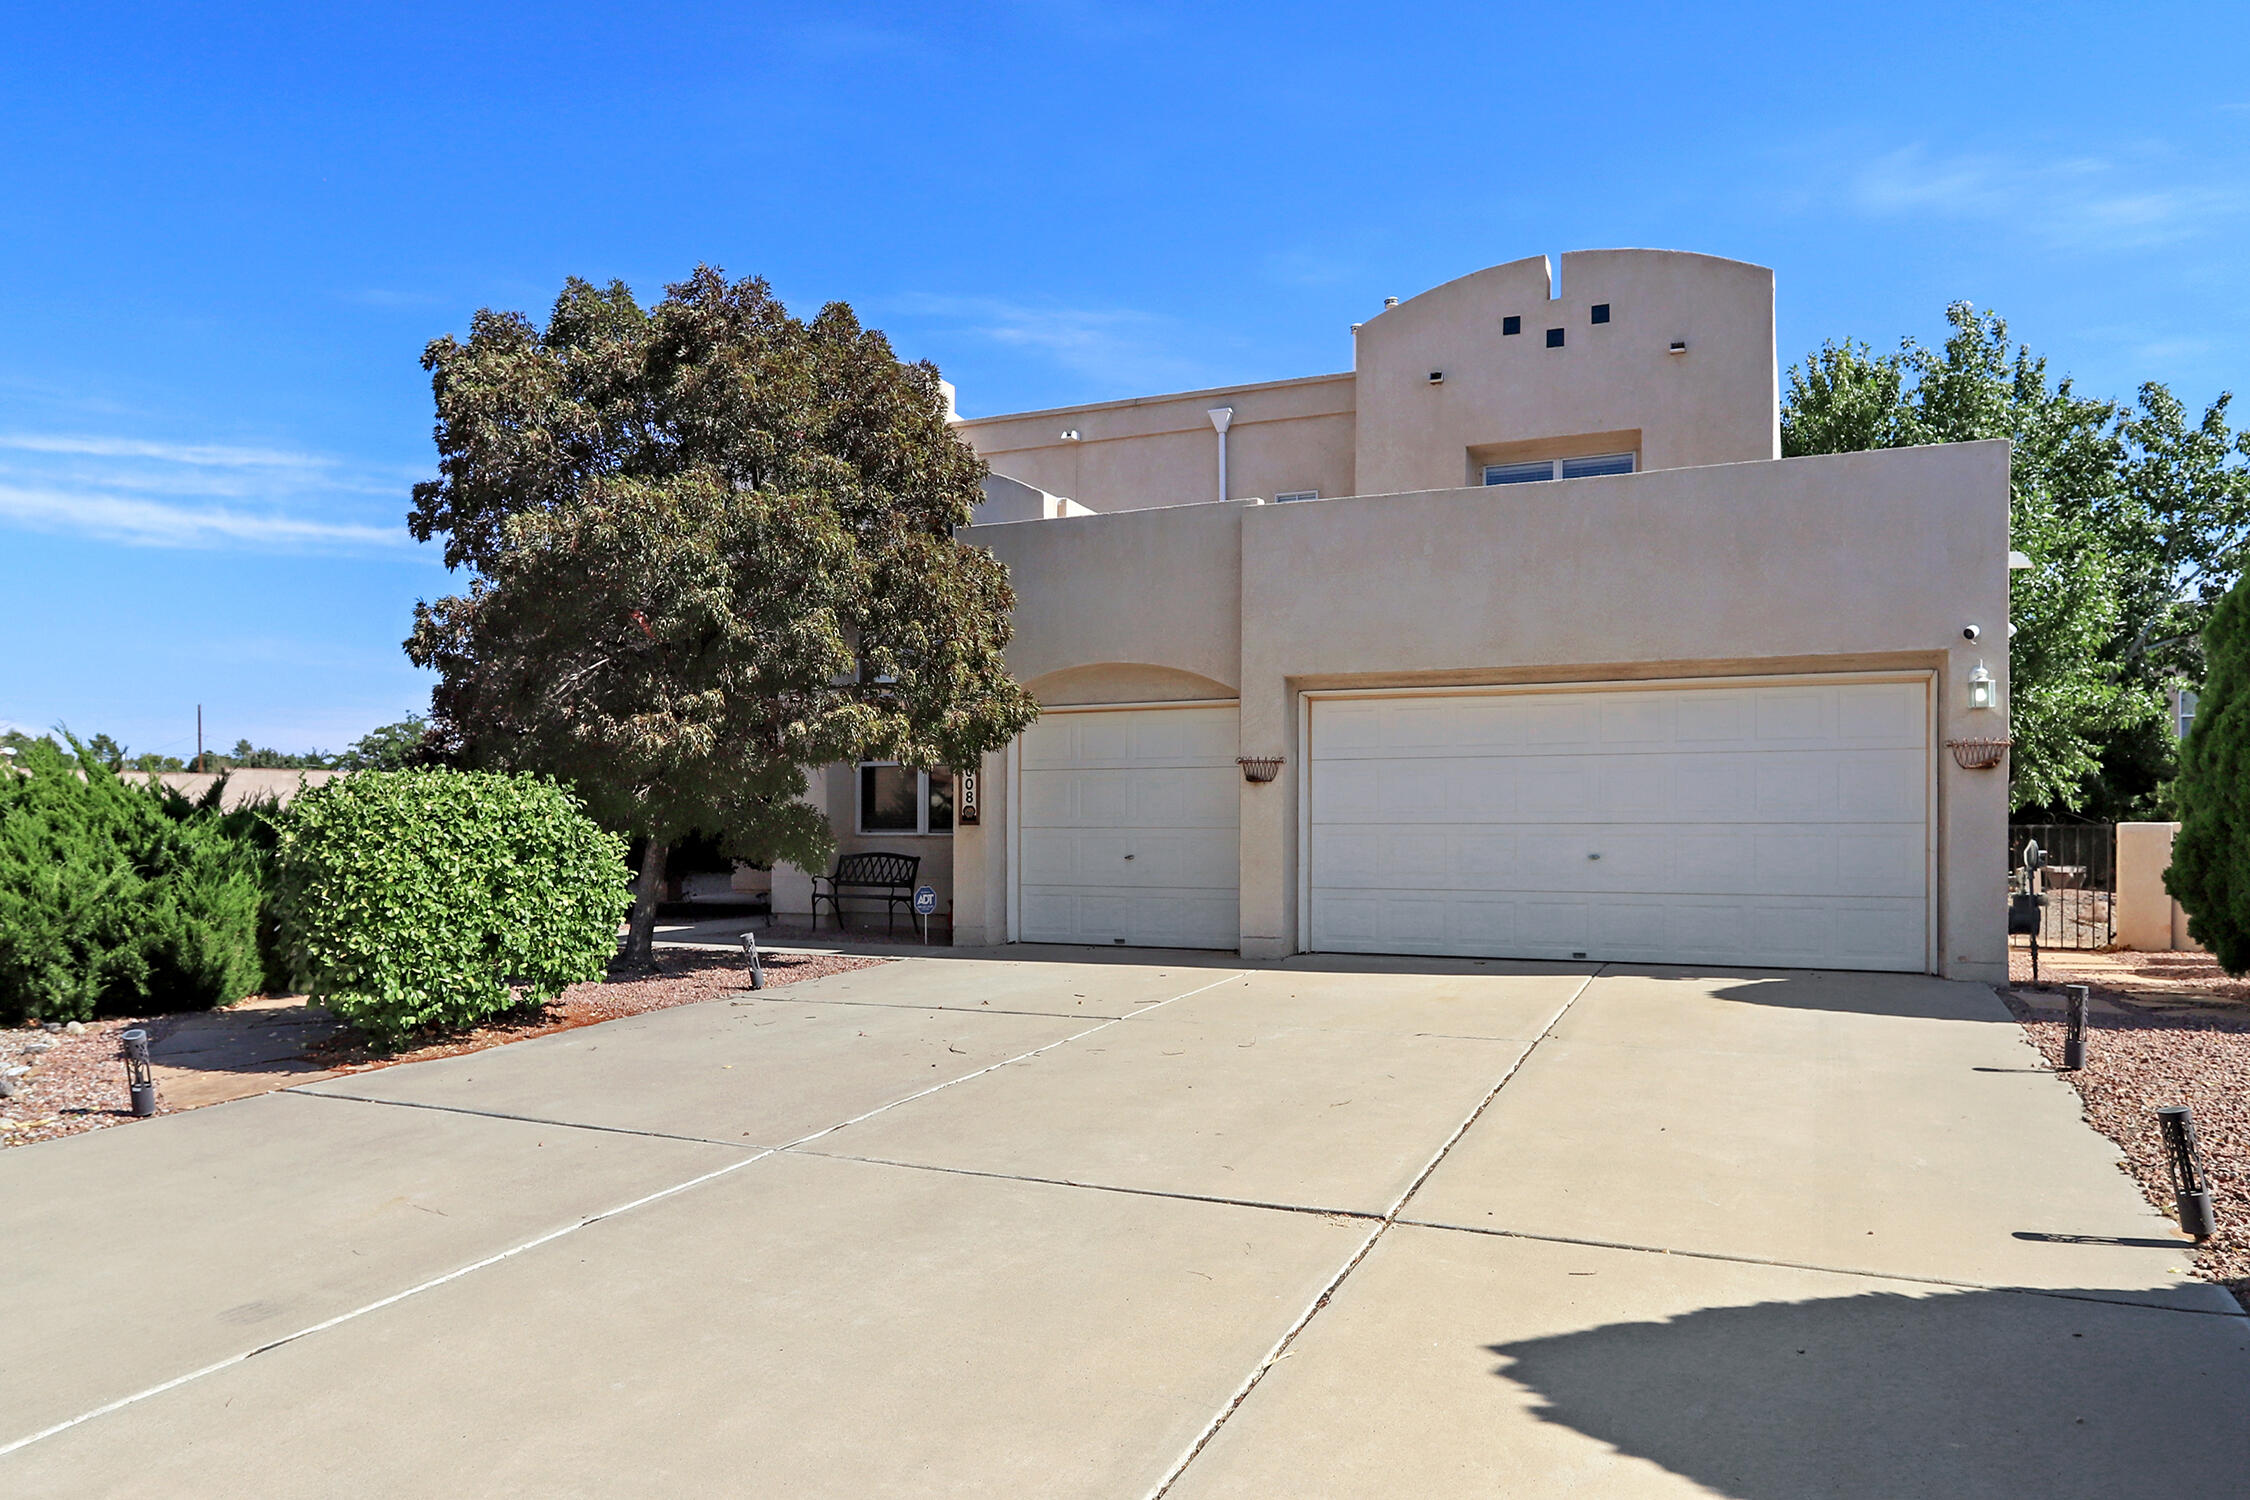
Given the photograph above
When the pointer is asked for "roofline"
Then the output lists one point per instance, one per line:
(1131, 401)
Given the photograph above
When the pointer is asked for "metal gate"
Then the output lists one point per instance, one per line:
(2079, 880)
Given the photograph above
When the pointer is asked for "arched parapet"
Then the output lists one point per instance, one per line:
(1665, 354)
(1124, 682)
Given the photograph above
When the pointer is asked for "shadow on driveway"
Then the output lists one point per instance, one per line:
(1882, 1395)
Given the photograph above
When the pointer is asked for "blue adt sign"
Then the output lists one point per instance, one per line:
(925, 900)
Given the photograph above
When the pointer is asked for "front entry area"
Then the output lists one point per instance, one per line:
(1129, 820)
(1782, 824)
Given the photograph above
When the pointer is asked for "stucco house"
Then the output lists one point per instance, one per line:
(1557, 656)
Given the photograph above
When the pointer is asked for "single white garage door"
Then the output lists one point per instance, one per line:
(1129, 822)
(1780, 826)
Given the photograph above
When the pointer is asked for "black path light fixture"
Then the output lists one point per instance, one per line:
(139, 1079)
(2074, 1028)
(2191, 1185)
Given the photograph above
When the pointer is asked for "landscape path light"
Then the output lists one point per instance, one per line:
(2191, 1186)
(139, 1079)
(2074, 1033)
(757, 969)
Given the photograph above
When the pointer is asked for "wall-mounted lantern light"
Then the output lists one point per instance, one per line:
(1980, 688)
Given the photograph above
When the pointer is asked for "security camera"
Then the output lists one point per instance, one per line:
(1971, 632)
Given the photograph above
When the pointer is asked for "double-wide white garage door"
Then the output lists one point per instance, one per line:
(1129, 820)
(1756, 825)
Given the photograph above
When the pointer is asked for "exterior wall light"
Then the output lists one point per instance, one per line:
(2191, 1184)
(1980, 688)
(140, 1081)
(1258, 767)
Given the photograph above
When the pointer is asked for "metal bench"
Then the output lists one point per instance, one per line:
(888, 878)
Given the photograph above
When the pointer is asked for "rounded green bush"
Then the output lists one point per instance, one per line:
(414, 900)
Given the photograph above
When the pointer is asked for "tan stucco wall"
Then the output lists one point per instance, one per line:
(1713, 404)
(2148, 919)
(1161, 588)
(1162, 450)
(1856, 562)
(1384, 428)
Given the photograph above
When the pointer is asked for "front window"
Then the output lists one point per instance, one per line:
(1559, 468)
(900, 799)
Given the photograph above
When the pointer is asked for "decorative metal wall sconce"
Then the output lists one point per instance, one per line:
(1259, 768)
(1979, 755)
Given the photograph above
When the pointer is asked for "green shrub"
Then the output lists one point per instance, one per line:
(2210, 872)
(411, 900)
(122, 899)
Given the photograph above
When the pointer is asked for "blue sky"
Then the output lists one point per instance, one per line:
(230, 231)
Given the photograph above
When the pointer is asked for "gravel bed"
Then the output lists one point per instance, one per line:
(2171, 1043)
(76, 1082)
(683, 976)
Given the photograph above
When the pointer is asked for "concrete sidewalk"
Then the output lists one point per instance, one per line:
(1119, 1225)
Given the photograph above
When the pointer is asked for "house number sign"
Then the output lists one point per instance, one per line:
(970, 813)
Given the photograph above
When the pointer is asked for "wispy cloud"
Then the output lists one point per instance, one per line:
(1117, 347)
(2092, 201)
(153, 523)
(150, 492)
(202, 455)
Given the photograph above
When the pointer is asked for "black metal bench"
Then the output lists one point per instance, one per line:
(888, 878)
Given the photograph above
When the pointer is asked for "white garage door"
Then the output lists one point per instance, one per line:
(1780, 826)
(1129, 822)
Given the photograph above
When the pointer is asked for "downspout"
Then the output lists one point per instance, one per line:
(1220, 417)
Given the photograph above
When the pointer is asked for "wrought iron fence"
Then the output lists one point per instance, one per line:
(2079, 881)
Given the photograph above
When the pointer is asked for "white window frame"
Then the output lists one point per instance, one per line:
(921, 828)
(1554, 468)
(1289, 496)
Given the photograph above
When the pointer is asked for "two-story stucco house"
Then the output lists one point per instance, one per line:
(1558, 658)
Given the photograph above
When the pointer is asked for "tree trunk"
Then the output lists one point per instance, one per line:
(640, 927)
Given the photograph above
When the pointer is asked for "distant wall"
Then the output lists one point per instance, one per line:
(2148, 919)
(243, 786)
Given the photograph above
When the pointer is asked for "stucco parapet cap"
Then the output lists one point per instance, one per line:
(1112, 515)
(1158, 400)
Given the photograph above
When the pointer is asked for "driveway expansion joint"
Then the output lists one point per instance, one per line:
(755, 1155)
(1856, 1273)
(1280, 1350)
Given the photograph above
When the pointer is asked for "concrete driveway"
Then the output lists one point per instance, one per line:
(1084, 1224)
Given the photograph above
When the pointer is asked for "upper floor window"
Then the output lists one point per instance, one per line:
(1559, 468)
(900, 799)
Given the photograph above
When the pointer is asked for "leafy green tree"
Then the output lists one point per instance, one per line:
(389, 747)
(2210, 871)
(2134, 520)
(709, 545)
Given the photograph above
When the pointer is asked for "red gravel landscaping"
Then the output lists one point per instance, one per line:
(2162, 1029)
(76, 1082)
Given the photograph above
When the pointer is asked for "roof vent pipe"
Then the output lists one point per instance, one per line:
(1221, 416)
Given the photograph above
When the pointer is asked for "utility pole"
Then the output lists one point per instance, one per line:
(199, 736)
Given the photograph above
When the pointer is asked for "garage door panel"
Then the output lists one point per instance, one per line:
(1130, 828)
(1745, 825)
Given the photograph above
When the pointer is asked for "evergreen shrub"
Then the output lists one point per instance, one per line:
(123, 899)
(2210, 872)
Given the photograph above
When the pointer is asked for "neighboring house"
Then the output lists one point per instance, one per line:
(1559, 659)
(244, 785)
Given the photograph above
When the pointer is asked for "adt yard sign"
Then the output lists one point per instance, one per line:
(925, 902)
